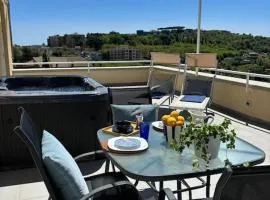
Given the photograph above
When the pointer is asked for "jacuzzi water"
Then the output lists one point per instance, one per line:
(49, 89)
(48, 85)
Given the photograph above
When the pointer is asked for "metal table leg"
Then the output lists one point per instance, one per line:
(179, 187)
(107, 165)
(208, 186)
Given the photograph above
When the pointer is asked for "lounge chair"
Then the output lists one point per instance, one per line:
(194, 85)
(162, 82)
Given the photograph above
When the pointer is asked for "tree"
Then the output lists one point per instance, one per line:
(95, 41)
(17, 54)
(45, 58)
(27, 54)
(57, 53)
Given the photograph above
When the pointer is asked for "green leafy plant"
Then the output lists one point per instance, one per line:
(200, 134)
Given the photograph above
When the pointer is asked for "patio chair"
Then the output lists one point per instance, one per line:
(195, 85)
(132, 95)
(62, 176)
(161, 81)
(128, 95)
(245, 183)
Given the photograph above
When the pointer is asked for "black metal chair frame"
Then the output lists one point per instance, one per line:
(226, 180)
(31, 136)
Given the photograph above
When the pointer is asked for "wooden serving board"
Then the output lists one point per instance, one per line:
(108, 130)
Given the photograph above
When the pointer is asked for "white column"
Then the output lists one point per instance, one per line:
(5, 40)
(199, 26)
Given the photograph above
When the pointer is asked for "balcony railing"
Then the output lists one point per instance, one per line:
(247, 75)
(232, 92)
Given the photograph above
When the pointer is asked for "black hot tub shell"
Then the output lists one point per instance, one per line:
(72, 108)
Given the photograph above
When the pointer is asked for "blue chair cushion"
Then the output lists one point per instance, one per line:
(62, 168)
(128, 112)
(193, 98)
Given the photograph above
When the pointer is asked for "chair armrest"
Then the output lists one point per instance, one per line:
(92, 153)
(155, 87)
(106, 187)
(168, 193)
(130, 87)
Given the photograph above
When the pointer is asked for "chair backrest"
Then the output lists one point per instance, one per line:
(136, 95)
(250, 183)
(161, 80)
(165, 58)
(32, 136)
(202, 60)
(130, 95)
(199, 60)
(197, 86)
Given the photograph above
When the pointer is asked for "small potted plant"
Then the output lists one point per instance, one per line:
(206, 139)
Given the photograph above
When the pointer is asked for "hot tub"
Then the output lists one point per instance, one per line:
(72, 108)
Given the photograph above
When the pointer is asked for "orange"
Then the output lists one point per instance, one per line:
(180, 118)
(171, 121)
(164, 118)
(179, 123)
(174, 114)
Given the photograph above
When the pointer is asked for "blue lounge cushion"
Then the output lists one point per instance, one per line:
(193, 98)
(128, 112)
(62, 168)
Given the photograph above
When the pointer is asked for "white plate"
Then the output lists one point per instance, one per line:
(112, 146)
(158, 125)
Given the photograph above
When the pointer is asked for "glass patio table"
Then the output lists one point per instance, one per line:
(161, 163)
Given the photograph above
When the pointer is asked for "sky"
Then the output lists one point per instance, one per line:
(33, 21)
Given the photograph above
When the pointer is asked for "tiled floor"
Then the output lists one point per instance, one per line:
(37, 190)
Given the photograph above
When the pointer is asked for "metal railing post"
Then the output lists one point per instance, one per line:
(247, 82)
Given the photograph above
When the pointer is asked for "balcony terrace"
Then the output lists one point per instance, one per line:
(243, 100)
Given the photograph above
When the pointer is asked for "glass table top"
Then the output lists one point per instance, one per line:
(160, 162)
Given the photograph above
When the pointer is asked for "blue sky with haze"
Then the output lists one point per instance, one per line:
(34, 20)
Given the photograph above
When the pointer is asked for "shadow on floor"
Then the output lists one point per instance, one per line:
(31, 175)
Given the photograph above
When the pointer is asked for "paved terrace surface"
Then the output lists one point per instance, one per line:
(37, 190)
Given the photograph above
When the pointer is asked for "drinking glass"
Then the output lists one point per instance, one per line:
(144, 130)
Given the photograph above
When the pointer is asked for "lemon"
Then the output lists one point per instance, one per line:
(174, 114)
(164, 118)
(180, 118)
(179, 123)
(171, 121)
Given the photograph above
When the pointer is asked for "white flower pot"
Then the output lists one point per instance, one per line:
(212, 150)
(172, 133)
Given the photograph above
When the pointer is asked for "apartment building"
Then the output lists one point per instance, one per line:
(125, 53)
(54, 41)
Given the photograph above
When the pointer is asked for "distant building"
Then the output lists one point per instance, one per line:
(164, 29)
(125, 53)
(74, 40)
(54, 41)
(68, 40)
(92, 55)
(140, 32)
(171, 28)
(253, 55)
(60, 59)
